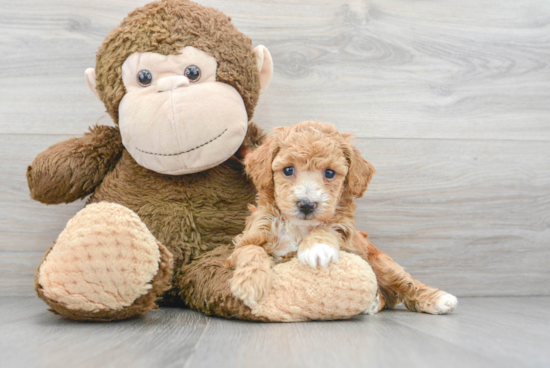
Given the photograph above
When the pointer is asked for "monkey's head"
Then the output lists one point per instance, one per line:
(182, 83)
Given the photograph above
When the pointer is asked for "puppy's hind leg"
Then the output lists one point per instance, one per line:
(253, 274)
(398, 286)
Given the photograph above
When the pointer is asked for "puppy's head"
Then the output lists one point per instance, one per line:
(307, 170)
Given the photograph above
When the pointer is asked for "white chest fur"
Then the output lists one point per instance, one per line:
(288, 236)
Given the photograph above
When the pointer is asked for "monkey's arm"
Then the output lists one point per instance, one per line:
(72, 169)
(254, 138)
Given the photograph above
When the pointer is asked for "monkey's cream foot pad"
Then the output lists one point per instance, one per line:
(105, 260)
(342, 290)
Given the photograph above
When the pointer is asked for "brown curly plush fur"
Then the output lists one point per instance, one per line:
(165, 27)
(188, 214)
(54, 179)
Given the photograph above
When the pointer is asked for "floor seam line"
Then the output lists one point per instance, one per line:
(192, 355)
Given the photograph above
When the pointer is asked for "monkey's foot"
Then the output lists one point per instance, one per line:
(105, 265)
(300, 292)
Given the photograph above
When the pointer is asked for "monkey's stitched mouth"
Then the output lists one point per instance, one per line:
(182, 152)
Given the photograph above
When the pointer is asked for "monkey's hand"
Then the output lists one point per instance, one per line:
(72, 169)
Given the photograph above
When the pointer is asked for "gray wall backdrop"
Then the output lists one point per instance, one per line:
(450, 100)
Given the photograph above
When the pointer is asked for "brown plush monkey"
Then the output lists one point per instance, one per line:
(181, 84)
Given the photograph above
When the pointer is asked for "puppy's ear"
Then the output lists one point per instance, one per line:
(258, 164)
(359, 174)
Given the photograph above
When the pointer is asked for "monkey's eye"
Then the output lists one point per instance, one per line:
(288, 171)
(144, 78)
(329, 174)
(193, 73)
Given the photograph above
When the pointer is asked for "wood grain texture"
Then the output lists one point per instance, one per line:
(164, 339)
(446, 69)
(449, 100)
(483, 332)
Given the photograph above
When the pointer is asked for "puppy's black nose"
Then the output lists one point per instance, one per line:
(305, 206)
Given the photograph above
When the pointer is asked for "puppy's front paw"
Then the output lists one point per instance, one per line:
(250, 284)
(318, 255)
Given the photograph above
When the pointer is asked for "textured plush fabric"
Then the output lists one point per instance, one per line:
(72, 169)
(343, 289)
(193, 218)
(180, 130)
(165, 27)
(105, 259)
(204, 286)
(189, 214)
(142, 305)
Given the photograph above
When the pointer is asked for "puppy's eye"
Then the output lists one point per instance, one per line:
(288, 171)
(329, 174)
(193, 73)
(144, 78)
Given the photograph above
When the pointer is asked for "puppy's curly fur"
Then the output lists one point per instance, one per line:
(308, 208)
(279, 226)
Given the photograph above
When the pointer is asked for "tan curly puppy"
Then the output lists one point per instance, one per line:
(307, 177)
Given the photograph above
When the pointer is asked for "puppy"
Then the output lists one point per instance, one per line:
(307, 176)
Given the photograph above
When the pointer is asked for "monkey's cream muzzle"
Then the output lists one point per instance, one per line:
(171, 125)
(170, 83)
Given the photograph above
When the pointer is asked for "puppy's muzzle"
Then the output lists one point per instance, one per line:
(306, 207)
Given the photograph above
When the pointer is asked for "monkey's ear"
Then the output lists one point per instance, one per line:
(90, 78)
(265, 65)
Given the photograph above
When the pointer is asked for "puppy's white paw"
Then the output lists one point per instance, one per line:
(375, 307)
(446, 304)
(319, 255)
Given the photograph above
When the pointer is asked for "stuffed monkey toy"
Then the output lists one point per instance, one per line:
(167, 190)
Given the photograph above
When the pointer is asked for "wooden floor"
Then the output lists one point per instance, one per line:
(483, 332)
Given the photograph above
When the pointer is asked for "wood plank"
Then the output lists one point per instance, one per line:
(17, 270)
(364, 341)
(509, 321)
(482, 332)
(390, 69)
(474, 336)
(462, 216)
(470, 217)
(27, 225)
(161, 339)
